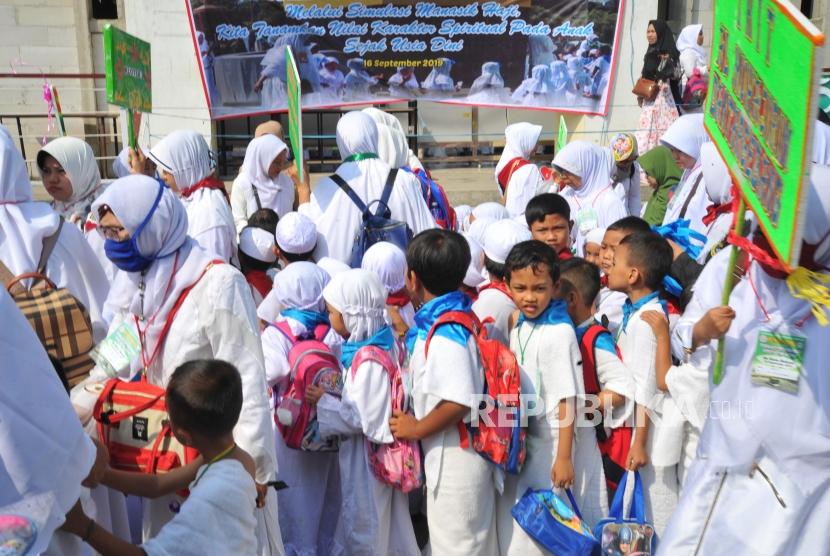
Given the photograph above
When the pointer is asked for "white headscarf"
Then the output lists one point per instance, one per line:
(388, 262)
(475, 271)
(186, 155)
(479, 227)
(687, 135)
(490, 78)
(492, 210)
(687, 40)
(361, 298)
(179, 261)
(439, 79)
(821, 144)
(78, 161)
(595, 236)
(589, 162)
(333, 266)
(121, 164)
(300, 286)
(357, 132)
(520, 141)
(259, 155)
(462, 217)
(392, 144)
(718, 183)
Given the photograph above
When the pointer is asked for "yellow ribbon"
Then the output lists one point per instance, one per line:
(813, 287)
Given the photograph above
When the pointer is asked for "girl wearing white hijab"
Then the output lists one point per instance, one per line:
(748, 462)
(25, 224)
(719, 214)
(388, 263)
(537, 90)
(374, 517)
(517, 177)
(146, 230)
(331, 78)
(488, 88)
(186, 165)
(70, 175)
(439, 82)
(692, 54)
(261, 182)
(403, 83)
(686, 138)
(493, 211)
(336, 216)
(358, 82)
(313, 500)
(393, 148)
(585, 169)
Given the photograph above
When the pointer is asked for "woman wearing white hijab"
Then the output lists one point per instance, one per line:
(393, 146)
(261, 182)
(336, 216)
(686, 138)
(517, 177)
(692, 54)
(186, 165)
(767, 451)
(585, 170)
(312, 500)
(488, 88)
(375, 517)
(146, 230)
(388, 263)
(404, 83)
(25, 224)
(719, 214)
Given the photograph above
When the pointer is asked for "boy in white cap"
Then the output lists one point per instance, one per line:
(257, 253)
(296, 238)
(494, 299)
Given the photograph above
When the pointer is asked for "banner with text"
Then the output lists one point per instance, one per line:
(549, 55)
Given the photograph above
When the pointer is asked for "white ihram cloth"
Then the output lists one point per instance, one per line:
(495, 304)
(590, 163)
(78, 161)
(217, 320)
(688, 135)
(551, 372)
(748, 430)
(374, 517)
(718, 184)
(460, 483)
(217, 517)
(524, 183)
(336, 216)
(24, 224)
(44, 452)
(274, 193)
(186, 155)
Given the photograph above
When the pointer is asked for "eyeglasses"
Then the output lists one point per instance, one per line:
(111, 232)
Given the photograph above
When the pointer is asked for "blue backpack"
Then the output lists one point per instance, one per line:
(377, 226)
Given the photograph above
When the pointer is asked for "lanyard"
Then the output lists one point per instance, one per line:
(145, 362)
(523, 347)
(767, 318)
(222, 455)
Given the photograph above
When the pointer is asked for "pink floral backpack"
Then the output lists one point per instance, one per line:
(397, 464)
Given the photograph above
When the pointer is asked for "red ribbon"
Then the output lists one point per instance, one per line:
(399, 299)
(210, 182)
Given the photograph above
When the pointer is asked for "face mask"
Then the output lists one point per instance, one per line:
(125, 255)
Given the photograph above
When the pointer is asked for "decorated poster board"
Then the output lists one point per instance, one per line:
(539, 54)
(295, 111)
(128, 73)
(761, 108)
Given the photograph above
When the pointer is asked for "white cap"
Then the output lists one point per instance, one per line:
(333, 266)
(475, 272)
(595, 236)
(257, 244)
(500, 238)
(296, 234)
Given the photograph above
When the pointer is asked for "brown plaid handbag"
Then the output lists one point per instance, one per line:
(60, 321)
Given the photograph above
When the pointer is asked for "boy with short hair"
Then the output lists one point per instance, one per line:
(640, 262)
(204, 399)
(560, 451)
(549, 218)
(446, 385)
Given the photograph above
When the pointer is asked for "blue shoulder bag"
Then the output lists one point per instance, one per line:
(631, 535)
(553, 524)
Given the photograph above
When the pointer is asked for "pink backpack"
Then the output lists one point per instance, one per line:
(311, 362)
(695, 91)
(397, 464)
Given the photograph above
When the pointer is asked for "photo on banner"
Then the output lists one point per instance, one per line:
(556, 55)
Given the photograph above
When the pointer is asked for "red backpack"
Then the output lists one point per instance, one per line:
(498, 436)
(614, 447)
(311, 362)
(437, 201)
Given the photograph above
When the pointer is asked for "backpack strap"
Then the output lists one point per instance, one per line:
(383, 203)
(48, 246)
(285, 329)
(373, 353)
(690, 197)
(256, 197)
(358, 202)
(589, 351)
(467, 320)
(320, 331)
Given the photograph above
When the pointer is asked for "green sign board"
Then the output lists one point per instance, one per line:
(760, 110)
(295, 110)
(562, 136)
(127, 63)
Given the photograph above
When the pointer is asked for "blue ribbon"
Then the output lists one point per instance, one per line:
(631, 308)
(429, 313)
(555, 313)
(309, 319)
(680, 233)
(383, 339)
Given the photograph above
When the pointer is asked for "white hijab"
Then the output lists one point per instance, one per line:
(687, 40)
(589, 162)
(492, 210)
(361, 298)
(388, 263)
(479, 227)
(78, 161)
(300, 286)
(259, 155)
(475, 271)
(687, 135)
(462, 216)
(186, 155)
(718, 183)
(392, 144)
(179, 261)
(520, 141)
(439, 79)
(121, 164)
(490, 78)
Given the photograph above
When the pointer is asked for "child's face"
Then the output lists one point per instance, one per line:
(592, 251)
(532, 290)
(621, 275)
(610, 240)
(336, 320)
(554, 230)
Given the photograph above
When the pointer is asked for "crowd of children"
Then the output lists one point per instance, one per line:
(297, 350)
